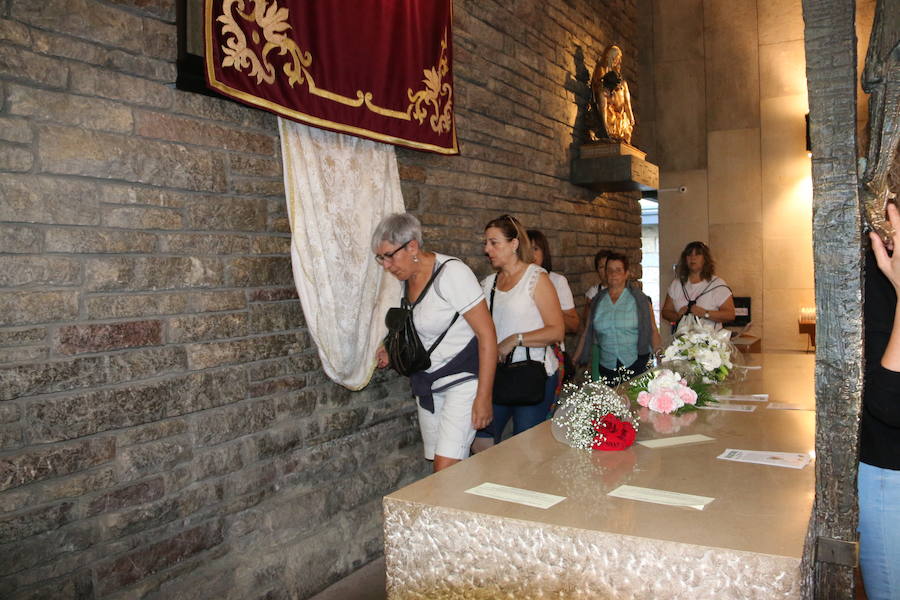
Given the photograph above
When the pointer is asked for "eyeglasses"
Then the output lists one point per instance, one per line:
(380, 258)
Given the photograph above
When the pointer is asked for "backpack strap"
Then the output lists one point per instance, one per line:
(431, 279)
(409, 306)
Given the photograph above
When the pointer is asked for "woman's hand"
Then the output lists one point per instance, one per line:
(889, 265)
(381, 357)
(698, 311)
(506, 347)
(482, 412)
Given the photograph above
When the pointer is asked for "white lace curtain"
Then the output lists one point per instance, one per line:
(338, 188)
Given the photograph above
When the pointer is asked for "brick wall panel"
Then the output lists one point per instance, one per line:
(72, 151)
(15, 130)
(30, 270)
(21, 65)
(22, 308)
(78, 415)
(146, 215)
(89, 80)
(124, 61)
(112, 306)
(16, 239)
(15, 158)
(96, 22)
(64, 375)
(178, 129)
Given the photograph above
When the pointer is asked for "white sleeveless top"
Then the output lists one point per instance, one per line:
(516, 312)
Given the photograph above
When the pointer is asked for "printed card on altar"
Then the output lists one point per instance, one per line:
(730, 407)
(742, 398)
(791, 460)
(786, 406)
(675, 441)
(517, 495)
(631, 492)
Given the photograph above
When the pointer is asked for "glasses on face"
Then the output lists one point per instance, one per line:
(380, 258)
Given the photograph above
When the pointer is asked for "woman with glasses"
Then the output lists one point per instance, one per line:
(454, 393)
(621, 330)
(697, 290)
(527, 316)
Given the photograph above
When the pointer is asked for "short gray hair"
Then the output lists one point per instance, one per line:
(397, 228)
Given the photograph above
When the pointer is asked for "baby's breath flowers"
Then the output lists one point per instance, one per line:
(583, 417)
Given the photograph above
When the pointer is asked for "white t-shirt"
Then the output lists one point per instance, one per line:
(593, 291)
(515, 311)
(456, 290)
(563, 291)
(709, 294)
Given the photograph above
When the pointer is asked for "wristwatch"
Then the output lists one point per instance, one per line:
(706, 315)
(520, 341)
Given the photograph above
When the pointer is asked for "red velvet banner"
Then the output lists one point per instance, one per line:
(380, 70)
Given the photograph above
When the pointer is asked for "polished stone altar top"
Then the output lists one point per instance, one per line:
(757, 508)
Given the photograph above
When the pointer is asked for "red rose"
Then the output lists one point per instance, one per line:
(613, 433)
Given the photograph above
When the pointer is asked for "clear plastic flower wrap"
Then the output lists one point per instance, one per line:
(591, 415)
(709, 352)
(670, 388)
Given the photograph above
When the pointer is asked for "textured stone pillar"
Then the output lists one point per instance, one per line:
(831, 75)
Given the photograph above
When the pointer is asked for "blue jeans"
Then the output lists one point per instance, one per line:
(879, 531)
(524, 417)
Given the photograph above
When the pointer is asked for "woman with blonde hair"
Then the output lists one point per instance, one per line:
(527, 317)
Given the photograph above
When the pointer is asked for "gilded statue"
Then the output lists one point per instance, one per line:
(610, 99)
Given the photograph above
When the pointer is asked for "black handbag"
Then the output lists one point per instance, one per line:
(405, 350)
(519, 383)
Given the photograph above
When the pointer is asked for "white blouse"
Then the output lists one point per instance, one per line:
(515, 311)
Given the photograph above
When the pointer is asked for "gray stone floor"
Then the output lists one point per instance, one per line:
(367, 583)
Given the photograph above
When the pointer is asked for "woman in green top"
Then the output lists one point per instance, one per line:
(621, 330)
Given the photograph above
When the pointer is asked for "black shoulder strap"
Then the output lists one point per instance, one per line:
(709, 287)
(437, 284)
(431, 279)
(422, 295)
(493, 289)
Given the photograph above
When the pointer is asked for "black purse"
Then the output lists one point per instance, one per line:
(519, 383)
(405, 350)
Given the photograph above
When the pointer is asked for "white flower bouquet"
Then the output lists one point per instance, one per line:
(709, 352)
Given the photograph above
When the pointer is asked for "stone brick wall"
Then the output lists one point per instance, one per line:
(166, 430)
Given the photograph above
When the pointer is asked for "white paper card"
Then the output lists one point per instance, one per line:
(675, 441)
(791, 460)
(742, 398)
(785, 406)
(517, 495)
(630, 492)
(731, 407)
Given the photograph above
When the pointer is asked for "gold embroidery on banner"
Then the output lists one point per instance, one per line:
(435, 88)
(274, 21)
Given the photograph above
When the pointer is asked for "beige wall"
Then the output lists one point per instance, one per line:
(729, 101)
(731, 98)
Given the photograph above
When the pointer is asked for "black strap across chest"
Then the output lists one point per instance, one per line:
(404, 302)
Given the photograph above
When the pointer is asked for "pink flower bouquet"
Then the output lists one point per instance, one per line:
(666, 391)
